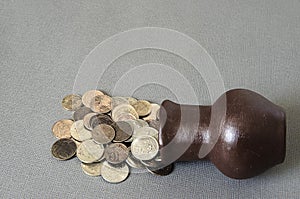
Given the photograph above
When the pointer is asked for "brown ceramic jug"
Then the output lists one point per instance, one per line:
(242, 134)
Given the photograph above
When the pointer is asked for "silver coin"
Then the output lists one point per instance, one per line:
(134, 162)
(123, 108)
(80, 113)
(113, 173)
(116, 153)
(93, 169)
(116, 101)
(153, 114)
(124, 117)
(89, 96)
(87, 120)
(141, 123)
(154, 124)
(103, 133)
(79, 132)
(131, 100)
(144, 147)
(89, 151)
(145, 131)
(136, 124)
(123, 131)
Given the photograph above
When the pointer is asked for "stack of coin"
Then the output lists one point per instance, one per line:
(110, 135)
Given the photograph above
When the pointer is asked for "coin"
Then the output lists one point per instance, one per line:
(79, 132)
(116, 153)
(123, 131)
(116, 101)
(87, 120)
(145, 131)
(63, 149)
(80, 113)
(89, 151)
(61, 129)
(134, 162)
(153, 115)
(93, 169)
(154, 163)
(101, 104)
(113, 173)
(76, 142)
(144, 147)
(123, 108)
(154, 124)
(131, 100)
(142, 107)
(72, 102)
(89, 96)
(163, 171)
(124, 117)
(100, 119)
(103, 133)
(141, 123)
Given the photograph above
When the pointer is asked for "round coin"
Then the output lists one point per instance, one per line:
(101, 104)
(80, 113)
(144, 148)
(93, 169)
(123, 131)
(89, 151)
(114, 173)
(147, 130)
(87, 120)
(153, 115)
(103, 133)
(123, 108)
(124, 117)
(134, 162)
(79, 132)
(61, 129)
(63, 149)
(131, 100)
(116, 101)
(116, 153)
(72, 102)
(142, 107)
(89, 96)
(100, 119)
(163, 171)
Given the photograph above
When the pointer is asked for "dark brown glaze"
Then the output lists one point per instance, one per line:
(242, 134)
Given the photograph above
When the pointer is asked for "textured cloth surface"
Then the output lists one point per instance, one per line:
(255, 45)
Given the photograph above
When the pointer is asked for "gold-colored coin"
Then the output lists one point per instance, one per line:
(63, 149)
(61, 129)
(142, 107)
(93, 169)
(89, 96)
(131, 100)
(79, 132)
(103, 134)
(101, 104)
(72, 102)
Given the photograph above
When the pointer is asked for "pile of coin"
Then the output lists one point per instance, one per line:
(110, 135)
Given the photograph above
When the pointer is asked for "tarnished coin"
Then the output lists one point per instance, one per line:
(79, 132)
(114, 173)
(116, 101)
(153, 115)
(101, 104)
(72, 102)
(134, 162)
(100, 119)
(93, 169)
(123, 131)
(123, 108)
(89, 96)
(116, 153)
(80, 113)
(163, 171)
(63, 149)
(154, 124)
(145, 131)
(131, 100)
(142, 107)
(87, 120)
(61, 129)
(103, 133)
(89, 151)
(144, 147)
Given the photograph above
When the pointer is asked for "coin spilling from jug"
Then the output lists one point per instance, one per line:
(110, 135)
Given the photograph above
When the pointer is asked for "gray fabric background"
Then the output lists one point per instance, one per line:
(255, 45)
